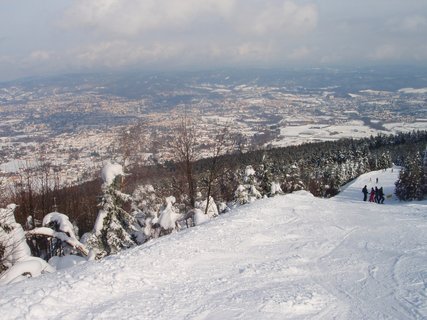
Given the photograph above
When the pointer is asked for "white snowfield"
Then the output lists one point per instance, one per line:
(288, 257)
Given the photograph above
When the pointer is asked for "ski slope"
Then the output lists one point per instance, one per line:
(288, 257)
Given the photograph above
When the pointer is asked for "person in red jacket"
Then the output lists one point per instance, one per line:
(372, 195)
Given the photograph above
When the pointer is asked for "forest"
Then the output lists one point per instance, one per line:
(129, 205)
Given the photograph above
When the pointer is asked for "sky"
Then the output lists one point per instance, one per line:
(63, 36)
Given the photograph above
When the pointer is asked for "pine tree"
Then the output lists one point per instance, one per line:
(146, 207)
(247, 191)
(424, 174)
(293, 181)
(114, 226)
(410, 183)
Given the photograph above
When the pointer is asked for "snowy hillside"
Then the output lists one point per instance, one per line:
(288, 257)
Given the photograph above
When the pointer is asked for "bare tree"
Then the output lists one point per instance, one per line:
(221, 145)
(184, 146)
(132, 143)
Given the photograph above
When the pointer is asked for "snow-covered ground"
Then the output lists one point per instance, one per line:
(288, 257)
(299, 134)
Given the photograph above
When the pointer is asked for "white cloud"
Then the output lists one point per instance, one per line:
(117, 54)
(121, 32)
(414, 23)
(279, 17)
(84, 34)
(407, 24)
(39, 56)
(132, 17)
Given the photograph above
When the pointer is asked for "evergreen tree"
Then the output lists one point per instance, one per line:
(146, 207)
(424, 174)
(410, 183)
(293, 181)
(114, 226)
(247, 191)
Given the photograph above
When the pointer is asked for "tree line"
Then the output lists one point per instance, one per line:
(321, 168)
(146, 202)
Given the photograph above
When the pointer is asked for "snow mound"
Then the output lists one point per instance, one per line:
(30, 267)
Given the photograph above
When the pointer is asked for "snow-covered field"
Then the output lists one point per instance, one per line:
(288, 257)
(299, 134)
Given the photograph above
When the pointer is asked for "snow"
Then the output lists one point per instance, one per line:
(275, 188)
(413, 91)
(212, 209)
(200, 217)
(63, 222)
(30, 267)
(386, 179)
(288, 257)
(249, 171)
(16, 248)
(99, 222)
(72, 241)
(169, 215)
(65, 262)
(110, 171)
(17, 255)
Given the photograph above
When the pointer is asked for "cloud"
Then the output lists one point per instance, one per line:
(39, 55)
(414, 23)
(278, 17)
(101, 34)
(117, 54)
(120, 32)
(408, 24)
(133, 17)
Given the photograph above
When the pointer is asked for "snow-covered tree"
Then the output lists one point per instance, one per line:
(293, 181)
(114, 226)
(169, 216)
(208, 207)
(248, 190)
(275, 189)
(266, 176)
(410, 183)
(146, 209)
(16, 262)
(63, 239)
(424, 179)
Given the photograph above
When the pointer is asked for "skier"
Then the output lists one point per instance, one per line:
(365, 193)
(372, 195)
(377, 195)
(381, 195)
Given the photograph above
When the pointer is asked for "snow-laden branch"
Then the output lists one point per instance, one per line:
(48, 232)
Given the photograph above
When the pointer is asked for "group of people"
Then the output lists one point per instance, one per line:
(376, 195)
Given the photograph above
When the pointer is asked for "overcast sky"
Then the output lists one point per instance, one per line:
(39, 37)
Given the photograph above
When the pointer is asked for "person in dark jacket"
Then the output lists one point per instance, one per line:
(381, 195)
(377, 195)
(365, 193)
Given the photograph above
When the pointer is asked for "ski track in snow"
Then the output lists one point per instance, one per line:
(289, 257)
